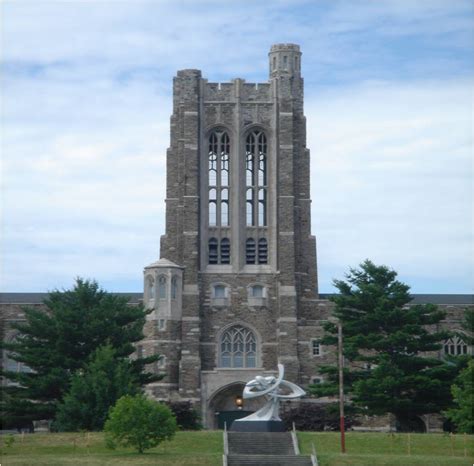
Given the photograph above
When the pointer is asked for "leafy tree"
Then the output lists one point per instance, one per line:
(95, 390)
(58, 341)
(138, 422)
(462, 415)
(388, 345)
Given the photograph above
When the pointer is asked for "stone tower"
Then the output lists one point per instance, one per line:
(237, 274)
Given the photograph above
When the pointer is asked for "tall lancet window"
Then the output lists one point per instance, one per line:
(256, 178)
(219, 178)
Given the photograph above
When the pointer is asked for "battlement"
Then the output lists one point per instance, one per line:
(229, 92)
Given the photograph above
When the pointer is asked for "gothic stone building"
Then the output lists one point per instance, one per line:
(235, 291)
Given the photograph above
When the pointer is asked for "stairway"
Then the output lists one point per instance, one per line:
(262, 449)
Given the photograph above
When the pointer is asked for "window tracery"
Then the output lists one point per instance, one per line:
(455, 346)
(238, 348)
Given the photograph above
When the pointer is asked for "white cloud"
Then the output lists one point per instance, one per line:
(392, 180)
(86, 102)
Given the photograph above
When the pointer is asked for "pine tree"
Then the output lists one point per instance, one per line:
(389, 345)
(95, 390)
(58, 341)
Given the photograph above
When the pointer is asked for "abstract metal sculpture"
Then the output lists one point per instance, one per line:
(275, 389)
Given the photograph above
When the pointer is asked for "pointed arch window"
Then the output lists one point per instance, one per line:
(256, 178)
(455, 346)
(219, 178)
(238, 348)
(162, 287)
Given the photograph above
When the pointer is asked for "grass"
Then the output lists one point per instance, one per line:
(205, 449)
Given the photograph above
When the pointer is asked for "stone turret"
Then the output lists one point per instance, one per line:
(285, 59)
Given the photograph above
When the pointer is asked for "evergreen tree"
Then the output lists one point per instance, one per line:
(95, 390)
(389, 346)
(58, 341)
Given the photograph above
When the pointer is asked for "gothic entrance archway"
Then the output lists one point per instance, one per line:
(223, 408)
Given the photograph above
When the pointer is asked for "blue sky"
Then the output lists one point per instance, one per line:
(86, 100)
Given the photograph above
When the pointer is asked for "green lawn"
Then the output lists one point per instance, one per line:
(205, 449)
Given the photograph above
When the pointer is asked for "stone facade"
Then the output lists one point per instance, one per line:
(225, 309)
(216, 287)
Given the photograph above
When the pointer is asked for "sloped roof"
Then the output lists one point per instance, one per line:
(163, 263)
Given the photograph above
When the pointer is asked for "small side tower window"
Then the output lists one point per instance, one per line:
(285, 62)
(150, 282)
(162, 287)
(174, 287)
(274, 63)
(250, 251)
(213, 251)
(225, 251)
(262, 251)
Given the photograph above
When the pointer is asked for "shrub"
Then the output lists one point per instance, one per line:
(138, 422)
(315, 416)
(186, 416)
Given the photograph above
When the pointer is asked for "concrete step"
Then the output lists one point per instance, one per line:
(260, 443)
(268, 460)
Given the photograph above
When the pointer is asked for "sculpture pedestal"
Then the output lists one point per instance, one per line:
(241, 425)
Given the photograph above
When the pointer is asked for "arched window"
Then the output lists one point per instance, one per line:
(238, 347)
(455, 346)
(150, 286)
(256, 178)
(174, 287)
(162, 287)
(219, 178)
(262, 251)
(250, 251)
(213, 251)
(225, 251)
